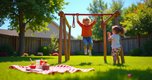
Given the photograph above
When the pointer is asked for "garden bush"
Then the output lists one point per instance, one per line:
(78, 53)
(54, 45)
(45, 49)
(135, 52)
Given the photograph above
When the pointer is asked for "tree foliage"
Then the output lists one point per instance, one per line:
(138, 20)
(117, 5)
(36, 13)
(28, 14)
(97, 6)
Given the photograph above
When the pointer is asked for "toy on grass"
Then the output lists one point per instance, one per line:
(129, 75)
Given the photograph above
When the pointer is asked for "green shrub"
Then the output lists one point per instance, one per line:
(6, 50)
(96, 53)
(135, 52)
(54, 45)
(15, 53)
(78, 53)
(148, 48)
(45, 49)
(32, 55)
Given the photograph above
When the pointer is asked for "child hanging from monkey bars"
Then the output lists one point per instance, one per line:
(86, 26)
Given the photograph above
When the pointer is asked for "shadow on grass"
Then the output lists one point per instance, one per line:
(118, 65)
(85, 63)
(121, 65)
(117, 74)
(63, 62)
(81, 64)
(14, 59)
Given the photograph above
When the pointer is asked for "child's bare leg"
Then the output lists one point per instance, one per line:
(85, 45)
(114, 56)
(90, 41)
(85, 50)
(114, 59)
(90, 50)
(118, 60)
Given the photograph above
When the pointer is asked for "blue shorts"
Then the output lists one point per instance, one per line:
(87, 41)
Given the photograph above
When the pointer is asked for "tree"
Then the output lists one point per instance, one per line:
(97, 6)
(28, 14)
(139, 20)
(148, 3)
(54, 43)
(129, 9)
(117, 6)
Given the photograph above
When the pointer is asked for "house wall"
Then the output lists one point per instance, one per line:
(52, 32)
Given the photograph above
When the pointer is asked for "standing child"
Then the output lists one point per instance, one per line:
(86, 26)
(115, 43)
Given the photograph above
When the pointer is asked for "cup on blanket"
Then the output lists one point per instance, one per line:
(38, 66)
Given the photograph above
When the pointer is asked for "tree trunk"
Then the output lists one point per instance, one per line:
(116, 21)
(21, 33)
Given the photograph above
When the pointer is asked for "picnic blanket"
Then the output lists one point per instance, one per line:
(53, 69)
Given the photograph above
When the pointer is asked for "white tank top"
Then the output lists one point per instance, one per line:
(115, 41)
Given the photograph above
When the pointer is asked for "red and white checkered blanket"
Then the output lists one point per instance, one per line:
(53, 69)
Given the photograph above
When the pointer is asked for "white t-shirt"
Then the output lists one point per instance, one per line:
(115, 41)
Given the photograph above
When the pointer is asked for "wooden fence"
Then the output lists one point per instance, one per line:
(32, 44)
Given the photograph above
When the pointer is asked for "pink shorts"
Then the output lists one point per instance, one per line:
(115, 51)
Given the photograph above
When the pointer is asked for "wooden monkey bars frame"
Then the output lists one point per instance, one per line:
(66, 40)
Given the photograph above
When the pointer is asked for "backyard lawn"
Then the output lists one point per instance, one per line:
(139, 67)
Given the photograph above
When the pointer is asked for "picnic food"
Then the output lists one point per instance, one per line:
(32, 66)
(44, 64)
(45, 67)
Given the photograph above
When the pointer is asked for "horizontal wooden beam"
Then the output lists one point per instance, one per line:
(74, 14)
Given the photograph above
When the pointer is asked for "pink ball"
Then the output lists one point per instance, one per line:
(129, 75)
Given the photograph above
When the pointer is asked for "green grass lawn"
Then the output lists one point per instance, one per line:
(139, 67)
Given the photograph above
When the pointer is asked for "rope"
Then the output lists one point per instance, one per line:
(73, 24)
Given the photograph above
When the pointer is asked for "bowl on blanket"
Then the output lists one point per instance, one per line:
(32, 66)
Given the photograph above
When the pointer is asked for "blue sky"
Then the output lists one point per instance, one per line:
(79, 6)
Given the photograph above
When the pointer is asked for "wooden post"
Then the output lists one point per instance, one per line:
(65, 39)
(60, 37)
(69, 38)
(104, 41)
(69, 44)
(122, 55)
